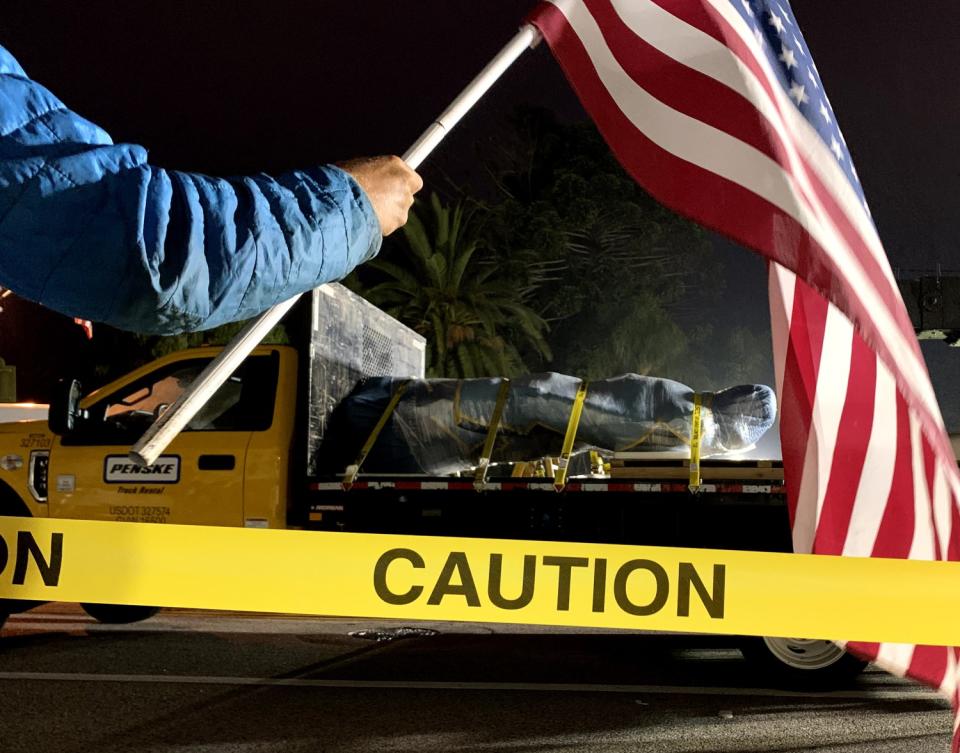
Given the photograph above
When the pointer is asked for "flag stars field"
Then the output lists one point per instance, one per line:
(776, 22)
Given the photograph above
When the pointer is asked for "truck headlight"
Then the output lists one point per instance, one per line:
(37, 475)
(11, 463)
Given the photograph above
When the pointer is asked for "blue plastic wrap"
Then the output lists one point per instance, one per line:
(439, 425)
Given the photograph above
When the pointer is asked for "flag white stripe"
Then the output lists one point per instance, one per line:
(831, 390)
(941, 508)
(732, 159)
(832, 380)
(895, 657)
(805, 514)
(949, 685)
(782, 286)
(922, 547)
(953, 477)
(876, 478)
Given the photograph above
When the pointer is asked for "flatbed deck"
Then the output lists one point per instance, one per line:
(723, 512)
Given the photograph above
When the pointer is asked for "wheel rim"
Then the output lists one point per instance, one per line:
(803, 653)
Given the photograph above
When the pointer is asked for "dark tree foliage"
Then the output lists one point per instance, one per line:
(435, 278)
(611, 270)
(560, 262)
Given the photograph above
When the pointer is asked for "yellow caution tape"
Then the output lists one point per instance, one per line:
(521, 582)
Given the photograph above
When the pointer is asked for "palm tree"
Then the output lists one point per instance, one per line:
(473, 317)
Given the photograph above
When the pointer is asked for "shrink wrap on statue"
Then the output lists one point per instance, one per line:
(439, 425)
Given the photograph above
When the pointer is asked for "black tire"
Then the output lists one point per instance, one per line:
(119, 614)
(3, 619)
(801, 663)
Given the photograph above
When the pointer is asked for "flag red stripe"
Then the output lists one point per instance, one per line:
(929, 664)
(807, 326)
(953, 550)
(866, 651)
(853, 439)
(896, 527)
(930, 469)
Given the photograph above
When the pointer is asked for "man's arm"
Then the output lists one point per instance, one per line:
(91, 229)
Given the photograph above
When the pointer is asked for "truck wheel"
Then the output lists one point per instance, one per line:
(799, 662)
(119, 614)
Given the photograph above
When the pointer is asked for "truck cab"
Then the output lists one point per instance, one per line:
(243, 460)
(229, 467)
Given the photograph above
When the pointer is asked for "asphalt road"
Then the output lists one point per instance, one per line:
(209, 683)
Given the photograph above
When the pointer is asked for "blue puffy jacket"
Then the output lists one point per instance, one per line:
(89, 228)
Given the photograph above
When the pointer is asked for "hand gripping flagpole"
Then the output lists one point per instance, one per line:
(183, 409)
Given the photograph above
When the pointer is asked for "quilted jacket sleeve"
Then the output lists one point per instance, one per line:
(91, 229)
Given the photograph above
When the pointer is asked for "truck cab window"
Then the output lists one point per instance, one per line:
(150, 400)
(244, 403)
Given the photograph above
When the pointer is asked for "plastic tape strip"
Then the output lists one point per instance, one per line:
(503, 394)
(481, 580)
(354, 470)
(560, 478)
(695, 436)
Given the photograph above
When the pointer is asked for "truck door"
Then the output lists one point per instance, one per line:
(199, 478)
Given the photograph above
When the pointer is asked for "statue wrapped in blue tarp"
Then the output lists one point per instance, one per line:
(439, 426)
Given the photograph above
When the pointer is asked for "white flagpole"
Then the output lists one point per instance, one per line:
(163, 431)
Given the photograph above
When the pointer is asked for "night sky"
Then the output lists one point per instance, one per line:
(236, 87)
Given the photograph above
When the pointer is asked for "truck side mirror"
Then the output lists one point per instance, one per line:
(65, 410)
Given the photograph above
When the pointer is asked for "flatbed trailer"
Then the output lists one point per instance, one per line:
(733, 514)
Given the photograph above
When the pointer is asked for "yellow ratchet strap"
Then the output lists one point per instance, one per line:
(560, 477)
(480, 476)
(696, 435)
(353, 470)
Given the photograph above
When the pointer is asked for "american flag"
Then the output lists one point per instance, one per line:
(717, 109)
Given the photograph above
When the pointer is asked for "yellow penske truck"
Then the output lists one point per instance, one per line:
(256, 456)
